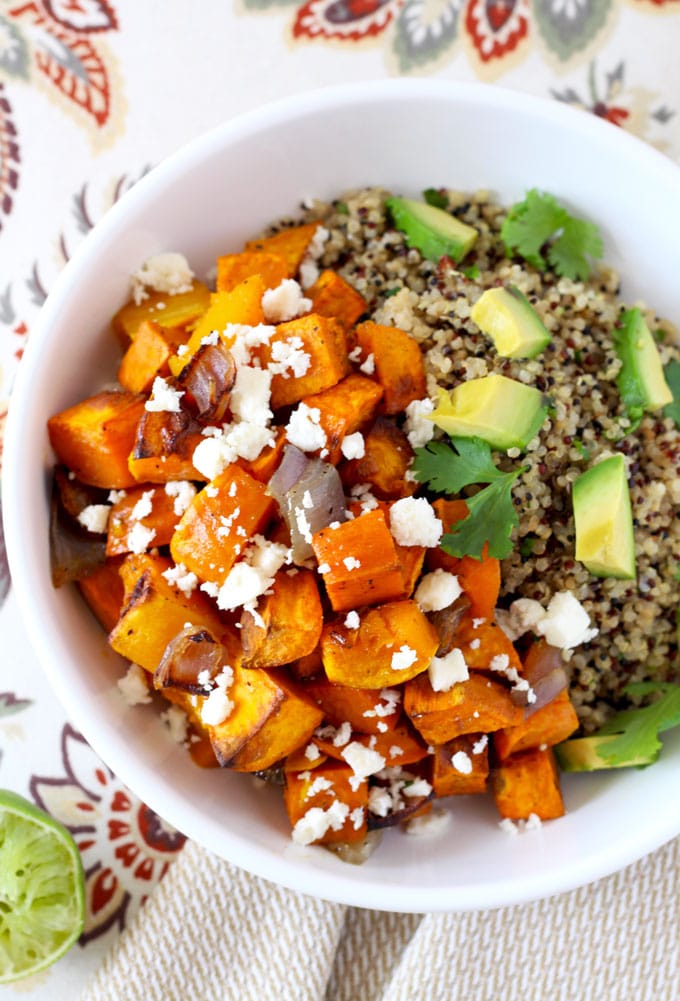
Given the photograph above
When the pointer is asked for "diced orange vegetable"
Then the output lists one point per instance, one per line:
(387, 456)
(481, 641)
(146, 357)
(262, 468)
(362, 658)
(103, 591)
(362, 708)
(549, 725)
(468, 707)
(163, 447)
(175, 312)
(94, 438)
(292, 619)
(299, 799)
(449, 780)
(528, 783)
(323, 340)
(234, 268)
(201, 751)
(359, 561)
(154, 611)
(480, 579)
(300, 760)
(344, 408)
(161, 520)
(307, 667)
(398, 747)
(290, 243)
(212, 531)
(331, 295)
(411, 559)
(398, 364)
(288, 728)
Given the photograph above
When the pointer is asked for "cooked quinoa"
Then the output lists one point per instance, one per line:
(637, 637)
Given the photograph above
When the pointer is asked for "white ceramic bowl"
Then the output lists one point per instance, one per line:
(206, 199)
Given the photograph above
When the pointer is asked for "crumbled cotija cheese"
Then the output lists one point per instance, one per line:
(418, 429)
(163, 397)
(352, 620)
(352, 563)
(363, 761)
(429, 824)
(134, 687)
(284, 302)
(184, 580)
(143, 507)
(444, 672)
(304, 430)
(413, 522)
(183, 491)
(402, 658)
(95, 518)
(343, 734)
(288, 357)
(140, 538)
(320, 784)
(353, 446)
(462, 762)
(251, 395)
(437, 590)
(168, 272)
(176, 722)
(314, 824)
(218, 706)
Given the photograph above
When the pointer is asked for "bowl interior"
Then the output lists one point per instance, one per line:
(207, 200)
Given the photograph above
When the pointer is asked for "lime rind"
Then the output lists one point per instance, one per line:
(42, 889)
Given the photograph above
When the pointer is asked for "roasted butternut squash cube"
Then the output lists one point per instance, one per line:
(461, 766)
(480, 579)
(400, 746)
(323, 341)
(163, 448)
(398, 364)
(327, 784)
(331, 295)
(482, 641)
(94, 438)
(310, 666)
(471, 706)
(154, 611)
(288, 622)
(175, 311)
(262, 468)
(365, 710)
(104, 593)
(358, 562)
(151, 508)
(146, 357)
(394, 642)
(387, 457)
(549, 725)
(344, 408)
(291, 243)
(232, 269)
(217, 524)
(528, 783)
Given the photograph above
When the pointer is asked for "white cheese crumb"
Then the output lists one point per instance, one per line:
(395, 751)
(316, 822)
(140, 538)
(343, 734)
(480, 745)
(380, 726)
(303, 524)
(462, 762)
(320, 784)
(143, 507)
(566, 623)
(211, 490)
(413, 522)
(251, 395)
(184, 580)
(437, 590)
(532, 823)
(116, 496)
(177, 724)
(508, 826)
(163, 397)
(363, 761)
(311, 752)
(390, 699)
(167, 272)
(304, 430)
(95, 518)
(352, 620)
(445, 672)
(476, 623)
(429, 824)
(183, 491)
(402, 658)
(352, 563)
(357, 817)
(418, 429)
(284, 302)
(353, 446)
(368, 365)
(134, 687)
(218, 706)
(475, 644)
(324, 568)
(289, 356)
(418, 787)
(182, 350)
(379, 801)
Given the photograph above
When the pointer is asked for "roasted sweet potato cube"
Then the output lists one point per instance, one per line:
(154, 611)
(163, 447)
(327, 784)
(288, 728)
(305, 757)
(481, 641)
(104, 593)
(461, 766)
(307, 667)
(175, 311)
(528, 783)
(324, 341)
(387, 457)
(331, 295)
(290, 243)
(394, 642)
(412, 559)
(232, 269)
(398, 364)
(549, 725)
(480, 579)
(468, 707)
(262, 468)
(94, 438)
(344, 408)
(146, 357)
(153, 509)
(359, 562)
(400, 746)
(365, 710)
(218, 522)
(288, 622)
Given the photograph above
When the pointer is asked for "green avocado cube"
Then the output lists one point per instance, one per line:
(503, 412)
(508, 318)
(603, 520)
(433, 231)
(641, 381)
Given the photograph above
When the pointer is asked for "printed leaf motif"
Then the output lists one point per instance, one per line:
(10, 704)
(344, 20)
(569, 26)
(83, 15)
(424, 30)
(13, 50)
(496, 27)
(9, 156)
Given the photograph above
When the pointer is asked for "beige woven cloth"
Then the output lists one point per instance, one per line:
(213, 932)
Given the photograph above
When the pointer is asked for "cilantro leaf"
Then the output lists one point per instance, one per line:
(672, 374)
(636, 731)
(434, 197)
(449, 468)
(543, 232)
(491, 520)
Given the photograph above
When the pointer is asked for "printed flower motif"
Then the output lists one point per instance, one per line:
(496, 27)
(346, 20)
(99, 811)
(9, 149)
(424, 30)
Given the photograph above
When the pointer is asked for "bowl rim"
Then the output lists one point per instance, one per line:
(263, 861)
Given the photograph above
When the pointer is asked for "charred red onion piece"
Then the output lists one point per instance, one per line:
(544, 670)
(207, 380)
(74, 551)
(191, 653)
(446, 622)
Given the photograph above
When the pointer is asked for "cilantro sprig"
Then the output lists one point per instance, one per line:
(672, 374)
(448, 468)
(636, 731)
(545, 234)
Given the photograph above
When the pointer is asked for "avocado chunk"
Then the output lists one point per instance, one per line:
(503, 412)
(512, 323)
(641, 381)
(603, 519)
(589, 754)
(432, 231)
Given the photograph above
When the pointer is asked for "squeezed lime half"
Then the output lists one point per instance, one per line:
(42, 889)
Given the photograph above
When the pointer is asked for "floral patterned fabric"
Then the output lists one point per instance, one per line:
(92, 93)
